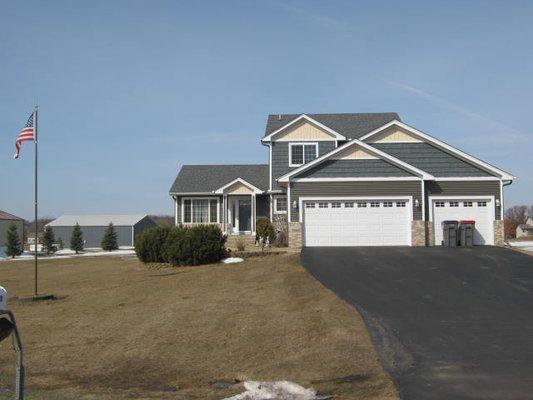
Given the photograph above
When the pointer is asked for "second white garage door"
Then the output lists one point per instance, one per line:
(357, 223)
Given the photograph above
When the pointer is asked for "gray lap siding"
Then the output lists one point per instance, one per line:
(463, 188)
(280, 158)
(356, 189)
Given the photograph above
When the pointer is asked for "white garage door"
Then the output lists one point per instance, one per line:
(479, 210)
(357, 223)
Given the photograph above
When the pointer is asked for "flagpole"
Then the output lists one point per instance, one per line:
(35, 117)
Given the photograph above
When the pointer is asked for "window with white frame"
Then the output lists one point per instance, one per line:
(467, 204)
(482, 204)
(348, 205)
(374, 204)
(387, 204)
(439, 204)
(454, 204)
(302, 153)
(309, 205)
(323, 205)
(200, 211)
(361, 205)
(280, 204)
(400, 204)
(336, 204)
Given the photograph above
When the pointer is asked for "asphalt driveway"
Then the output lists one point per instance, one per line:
(448, 323)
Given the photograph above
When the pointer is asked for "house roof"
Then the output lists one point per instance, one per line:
(526, 227)
(208, 178)
(97, 220)
(9, 217)
(351, 125)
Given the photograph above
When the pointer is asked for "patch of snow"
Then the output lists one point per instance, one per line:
(281, 390)
(523, 245)
(232, 260)
(67, 253)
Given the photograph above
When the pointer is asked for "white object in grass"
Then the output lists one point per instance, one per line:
(281, 390)
(3, 298)
(232, 260)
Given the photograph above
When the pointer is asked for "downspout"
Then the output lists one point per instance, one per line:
(503, 184)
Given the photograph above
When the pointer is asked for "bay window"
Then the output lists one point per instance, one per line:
(200, 211)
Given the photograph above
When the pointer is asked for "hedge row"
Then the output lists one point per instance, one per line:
(196, 245)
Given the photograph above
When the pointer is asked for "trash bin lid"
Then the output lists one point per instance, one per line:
(454, 223)
(467, 222)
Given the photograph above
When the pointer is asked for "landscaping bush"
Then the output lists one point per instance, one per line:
(195, 245)
(149, 244)
(13, 245)
(264, 231)
(76, 239)
(48, 240)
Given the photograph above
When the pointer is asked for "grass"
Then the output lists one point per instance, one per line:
(125, 330)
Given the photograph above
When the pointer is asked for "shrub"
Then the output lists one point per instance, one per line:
(265, 231)
(109, 240)
(195, 245)
(149, 244)
(48, 240)
(240, 244)
(13, 245)
(281, 239)
(76, 240)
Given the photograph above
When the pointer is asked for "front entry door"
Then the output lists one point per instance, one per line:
(245, 215)
(241, 215)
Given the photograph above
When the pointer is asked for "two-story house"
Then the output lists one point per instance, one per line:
(347, 180)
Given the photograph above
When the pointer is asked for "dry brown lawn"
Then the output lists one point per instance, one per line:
(125, 330)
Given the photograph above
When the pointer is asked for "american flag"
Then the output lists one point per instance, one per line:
(27, 133)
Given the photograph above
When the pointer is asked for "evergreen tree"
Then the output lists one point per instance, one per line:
(48, 240)
(13, 245)
(109, 240)
(76, 240)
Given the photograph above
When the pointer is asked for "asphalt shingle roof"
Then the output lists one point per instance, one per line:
(351, 125)
(207, 178)
(7, 216)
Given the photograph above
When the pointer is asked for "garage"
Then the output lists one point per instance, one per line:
(357, 222)
(478, 209)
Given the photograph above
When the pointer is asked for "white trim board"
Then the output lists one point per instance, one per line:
(370, 149)
(362, 179)
(336, 135)
(444, 146)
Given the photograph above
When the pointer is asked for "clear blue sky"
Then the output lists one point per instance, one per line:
(130, 90)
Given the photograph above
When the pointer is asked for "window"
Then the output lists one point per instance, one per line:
(400, 204)
(200, 211)
(374, 204)
(361, 205)
(302, 153)
(322, 205)
(348, 205)
(467, 204)
(439, 204)
(280, 205)
(387, 204)
(454, 204)
(336, 205)
(213, 210)
(309, 205)
(482, 204)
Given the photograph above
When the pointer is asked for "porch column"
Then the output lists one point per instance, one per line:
(253, 212)
(225, 212)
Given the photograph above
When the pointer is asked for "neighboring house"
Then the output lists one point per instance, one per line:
(524, 230)
(347, 180)
(94, 226)
(6, 220)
